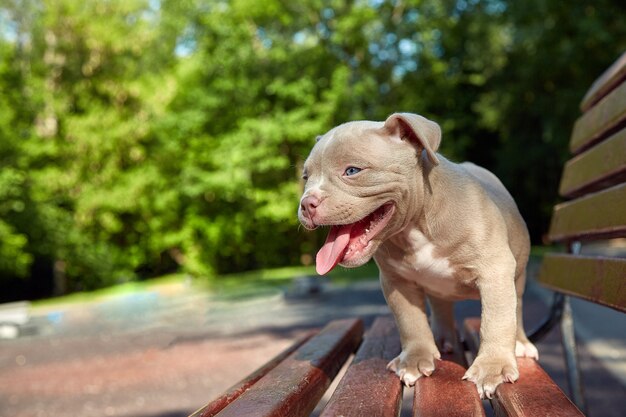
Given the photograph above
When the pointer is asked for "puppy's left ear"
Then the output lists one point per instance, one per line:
(420, 131)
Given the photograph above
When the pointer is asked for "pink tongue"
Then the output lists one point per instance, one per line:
(333, 249)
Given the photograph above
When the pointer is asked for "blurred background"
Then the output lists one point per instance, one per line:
(140, 137)
(144, 139)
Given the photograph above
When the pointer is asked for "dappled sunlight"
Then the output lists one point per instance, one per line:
(151, 154)
(145, 137)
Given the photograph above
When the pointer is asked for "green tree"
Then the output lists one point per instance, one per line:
(141, 136)
(556, 51)
(90, 96)
(15, 258)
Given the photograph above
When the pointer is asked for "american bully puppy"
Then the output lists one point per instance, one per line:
(435, 228)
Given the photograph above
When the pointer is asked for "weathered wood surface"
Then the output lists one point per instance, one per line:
(368, 389)
(600, 121)
(599, 167)
(444, 393)
(600, 280)
(231, 394)
(598, 215)
(295, 386)
(533, 394)
(613, 76)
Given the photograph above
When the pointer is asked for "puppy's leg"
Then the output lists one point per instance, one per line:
(442, 324)
(523, 346)
(408, 305)
(495, 362)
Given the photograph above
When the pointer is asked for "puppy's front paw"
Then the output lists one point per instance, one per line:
(489, 372)
(411, 365)
(525, 349)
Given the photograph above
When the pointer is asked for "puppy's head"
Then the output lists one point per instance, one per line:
(363, 180)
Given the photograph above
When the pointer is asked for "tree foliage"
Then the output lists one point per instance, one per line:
(143, 136)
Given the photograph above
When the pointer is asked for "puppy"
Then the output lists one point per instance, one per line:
(435, 228)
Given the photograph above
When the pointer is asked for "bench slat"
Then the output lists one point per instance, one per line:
(600, 167)
(444, 393)
(367, 375)
(600, 280)
(599, 215)
(599, 121)
(231, 394)
(294, 387)
(605, 83)
(533, 394)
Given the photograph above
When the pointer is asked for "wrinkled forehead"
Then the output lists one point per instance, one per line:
(349, 140)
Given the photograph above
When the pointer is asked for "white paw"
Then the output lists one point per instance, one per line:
(412, 366)
(526, 350)
(487, 373)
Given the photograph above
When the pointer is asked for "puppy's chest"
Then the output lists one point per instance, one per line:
(416, 259)
(420, 257)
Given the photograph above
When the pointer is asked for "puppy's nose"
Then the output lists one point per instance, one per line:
(308, 205)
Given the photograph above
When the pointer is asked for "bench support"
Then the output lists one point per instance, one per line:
(561, 313)
(554, 318)
(571, 356)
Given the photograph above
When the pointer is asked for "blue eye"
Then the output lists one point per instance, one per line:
(352, 171)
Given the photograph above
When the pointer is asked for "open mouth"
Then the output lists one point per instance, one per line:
(349, 240)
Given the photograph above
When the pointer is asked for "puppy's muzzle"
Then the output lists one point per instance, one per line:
(308, 208)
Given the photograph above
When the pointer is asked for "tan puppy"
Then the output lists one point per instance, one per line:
(436, 228)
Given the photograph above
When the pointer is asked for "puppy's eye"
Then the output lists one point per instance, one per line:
(305, 176)
(352, 171)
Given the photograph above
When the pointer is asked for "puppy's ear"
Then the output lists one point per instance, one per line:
(418, 130)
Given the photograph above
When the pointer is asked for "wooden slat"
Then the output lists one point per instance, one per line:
(231, 394)
(615, 74)
(598, 215)
(295, 386)
(599, 167)
(602, 119)
(368, 388)
(533, 394)
(601, 280)
(444, 393)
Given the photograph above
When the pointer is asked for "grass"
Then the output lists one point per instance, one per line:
(253, 283)
(232, 286)
(540, 251)
(229, 286)
(267, 281)
(113, 291)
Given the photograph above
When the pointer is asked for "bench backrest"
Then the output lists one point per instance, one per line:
(594, 187)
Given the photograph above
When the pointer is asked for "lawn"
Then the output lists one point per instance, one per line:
(231, 286)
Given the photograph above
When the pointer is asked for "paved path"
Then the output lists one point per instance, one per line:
(166, 353)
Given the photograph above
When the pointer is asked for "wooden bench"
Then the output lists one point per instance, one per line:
(293, 383)
(594, 187)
